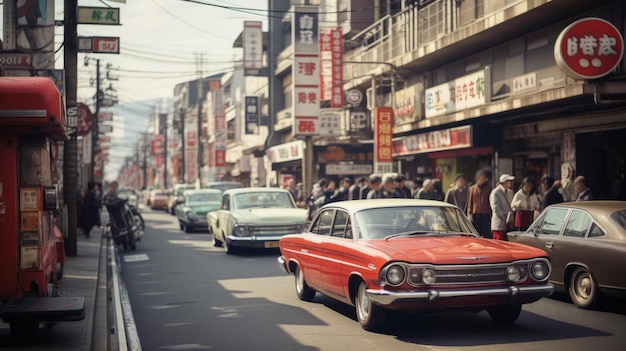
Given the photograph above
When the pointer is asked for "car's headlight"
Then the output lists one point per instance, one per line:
(241, 230)
(191, 214)
(395, 275)
(513, 273)
(540, 270)
(429, 276)
(299, 227)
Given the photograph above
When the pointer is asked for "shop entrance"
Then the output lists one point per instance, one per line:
(601, 158)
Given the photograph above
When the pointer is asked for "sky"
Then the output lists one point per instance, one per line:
(161, 42)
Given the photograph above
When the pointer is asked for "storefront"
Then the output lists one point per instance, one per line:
(344, 160)
(286, 161)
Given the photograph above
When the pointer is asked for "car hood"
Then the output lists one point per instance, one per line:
(273, 215)
(451, 250)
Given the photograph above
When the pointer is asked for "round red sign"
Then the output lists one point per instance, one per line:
(84, 119)
(589, 48)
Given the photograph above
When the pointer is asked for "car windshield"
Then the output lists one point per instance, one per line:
(180, 191)
(224, 186)
(620, 218)
(199, 198)
(263, 199)
(379, 223)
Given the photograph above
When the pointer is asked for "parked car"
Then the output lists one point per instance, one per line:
(176, 196)
(255, 218)
(405, 254)
(192, 213)
(586, 242)
(223, 186)
(158, 199)
(131, 195)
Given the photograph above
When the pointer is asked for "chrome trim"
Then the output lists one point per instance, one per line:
(23, 113)
(282, 264)
(385, 297)
(250, 240)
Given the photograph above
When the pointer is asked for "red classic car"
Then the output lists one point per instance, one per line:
(404, 254)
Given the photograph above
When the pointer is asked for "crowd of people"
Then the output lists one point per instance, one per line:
(89, 204)
(492, 210)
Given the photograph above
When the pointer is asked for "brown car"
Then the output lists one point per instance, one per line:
(586, 242)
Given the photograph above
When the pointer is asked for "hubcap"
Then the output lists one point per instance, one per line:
(584, 286)
(363, 303)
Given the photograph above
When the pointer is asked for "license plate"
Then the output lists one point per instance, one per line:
(269, 244)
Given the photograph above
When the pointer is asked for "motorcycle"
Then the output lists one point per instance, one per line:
(125, 224)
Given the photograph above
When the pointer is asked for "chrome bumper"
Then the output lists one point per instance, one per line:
(252, 240)
(385, 297)
(282, 264)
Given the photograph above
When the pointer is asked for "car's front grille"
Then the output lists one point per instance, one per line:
(275, 229)
(461, 275)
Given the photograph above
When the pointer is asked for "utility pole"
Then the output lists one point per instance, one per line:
(166, 173)
(70, 150)
(200, 100)
(95, 134)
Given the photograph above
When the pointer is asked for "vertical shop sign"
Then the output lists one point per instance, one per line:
(383, 160)
(589, 48)
(337, 68)
(326, 64)
(252, 114)
(253, 48)
(306, 71)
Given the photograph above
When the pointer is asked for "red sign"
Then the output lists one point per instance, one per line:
(220, 158)
(589, 48)
(106, 45)
(84, 119)
(156, 147)
(337, 67)
(383, 145)
(446, 139)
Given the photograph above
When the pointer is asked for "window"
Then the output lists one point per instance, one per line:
(620, 218)
(225, 200)
(324, 222)
(552, 221)
(577, 224)
(341, 222)
(596, 231)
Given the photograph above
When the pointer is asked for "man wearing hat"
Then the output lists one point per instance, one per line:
(500, 201)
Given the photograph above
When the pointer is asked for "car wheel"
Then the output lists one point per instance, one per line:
(582, 288)
(181, 226)
(505, 314)
(216, 242)
(230, 249)
(370, 316)
(304, 292)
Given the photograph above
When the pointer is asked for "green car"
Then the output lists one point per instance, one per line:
(192, 212)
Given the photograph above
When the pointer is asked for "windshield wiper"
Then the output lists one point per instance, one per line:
(409, 233)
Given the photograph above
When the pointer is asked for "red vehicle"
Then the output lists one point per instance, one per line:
(31, 245)
(412, 255)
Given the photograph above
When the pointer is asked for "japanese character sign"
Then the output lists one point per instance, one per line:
(383, 145)
(589, 48)
(306, 71)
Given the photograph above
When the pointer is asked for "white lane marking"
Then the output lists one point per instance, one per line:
(88, 277)
(186, 347)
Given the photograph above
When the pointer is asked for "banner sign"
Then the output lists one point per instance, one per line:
(465, 92)
(286, 152)
(337, 68)
(252, 115)
(383, 147)
(306, 70)
(438, 140)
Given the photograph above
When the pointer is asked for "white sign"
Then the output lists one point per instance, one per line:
(286, 152)
(105, 128)
(329, 124)
(252, 46)
(525, 82)
(465, 92)
(72, 116)
(356, 169)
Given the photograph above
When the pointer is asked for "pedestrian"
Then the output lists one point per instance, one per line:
(404, 191)
(525, 204)
(427, 191)
(354, 192)
(582, 189)
(342, 193)
(91, 210)
(500, 201)
(389, 190)
(417, 185)
(478, 208)
(458, 193)
(365, 189)
(375, 188)
(551, 194)
(80, 209)
(293, 190)
(301, 200)
(438, 190)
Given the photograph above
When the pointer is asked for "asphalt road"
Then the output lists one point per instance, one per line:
(187, 295)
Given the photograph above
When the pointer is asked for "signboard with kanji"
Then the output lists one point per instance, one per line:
(383, 146)
(465, 92)
(589, 48)
(306, 71)
(98, 15)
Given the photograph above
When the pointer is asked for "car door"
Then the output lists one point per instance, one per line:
(311, 252)
(572, 244)
(333, 257)
(222, 217)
